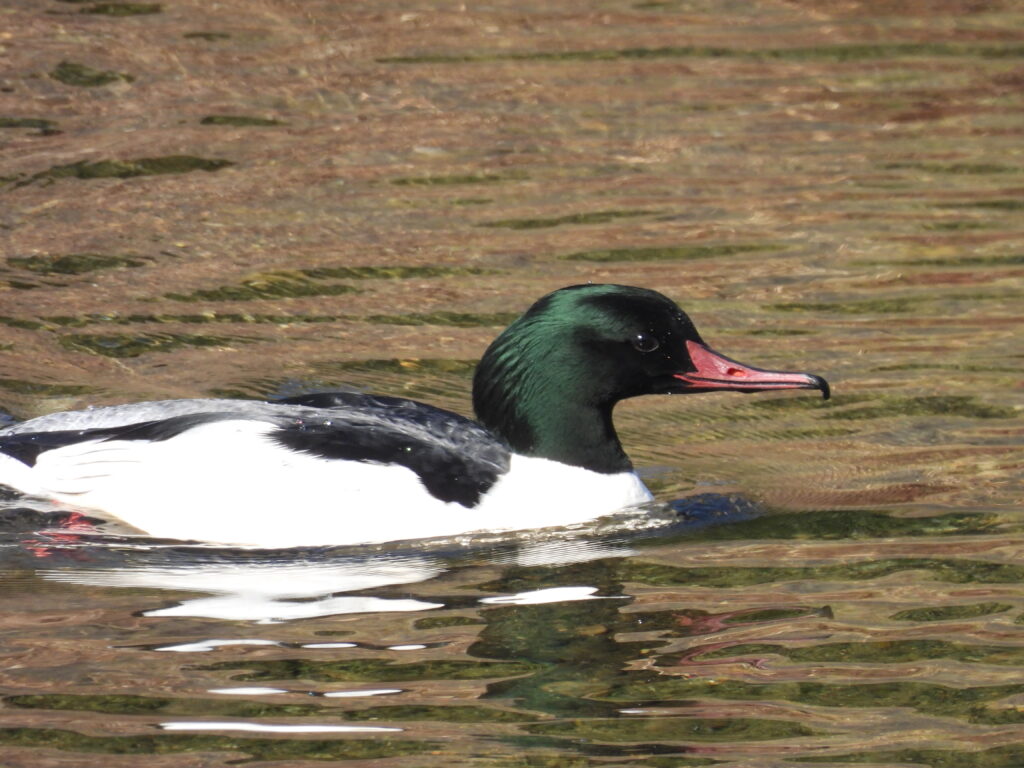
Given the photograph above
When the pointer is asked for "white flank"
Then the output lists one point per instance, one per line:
(227, 482)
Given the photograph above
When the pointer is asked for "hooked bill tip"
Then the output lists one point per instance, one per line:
(820, 383)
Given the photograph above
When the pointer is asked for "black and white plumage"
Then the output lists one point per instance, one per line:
(455, 458)
(342, 468)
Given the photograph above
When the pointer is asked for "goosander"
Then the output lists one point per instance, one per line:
(350, 468)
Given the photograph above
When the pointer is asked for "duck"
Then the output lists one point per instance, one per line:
(353, 468)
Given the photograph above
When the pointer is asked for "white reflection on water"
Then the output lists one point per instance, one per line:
(267, 591)
(249, 607)
(330, 645)
(211, 645)
(261, 691)
(270, 590)
(202, 725)
(552, 595)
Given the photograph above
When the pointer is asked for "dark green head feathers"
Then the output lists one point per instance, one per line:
(547, 385)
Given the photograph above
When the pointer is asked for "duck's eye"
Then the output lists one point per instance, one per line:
(644, 342)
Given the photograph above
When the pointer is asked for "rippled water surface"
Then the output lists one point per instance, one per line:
(260, 198)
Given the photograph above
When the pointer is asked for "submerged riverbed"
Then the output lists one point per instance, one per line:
(255, 199)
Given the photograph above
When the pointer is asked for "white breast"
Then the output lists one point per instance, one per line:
(539, 492)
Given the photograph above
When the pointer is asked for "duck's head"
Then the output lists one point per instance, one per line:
(549, 382)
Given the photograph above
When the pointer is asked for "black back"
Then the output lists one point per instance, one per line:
(455, 458)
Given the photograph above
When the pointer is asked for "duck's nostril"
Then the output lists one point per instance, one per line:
(738, 372)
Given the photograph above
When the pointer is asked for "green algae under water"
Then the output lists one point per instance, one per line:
(255, 748)
(73, 73)
(73, 263)
(127, 169)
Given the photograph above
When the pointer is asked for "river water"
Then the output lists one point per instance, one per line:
(262, 198)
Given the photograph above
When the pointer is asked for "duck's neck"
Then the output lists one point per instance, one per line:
(551, 421)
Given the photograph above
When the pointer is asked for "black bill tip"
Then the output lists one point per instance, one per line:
(820, 383)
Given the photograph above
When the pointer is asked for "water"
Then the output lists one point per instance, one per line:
(830, 189)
